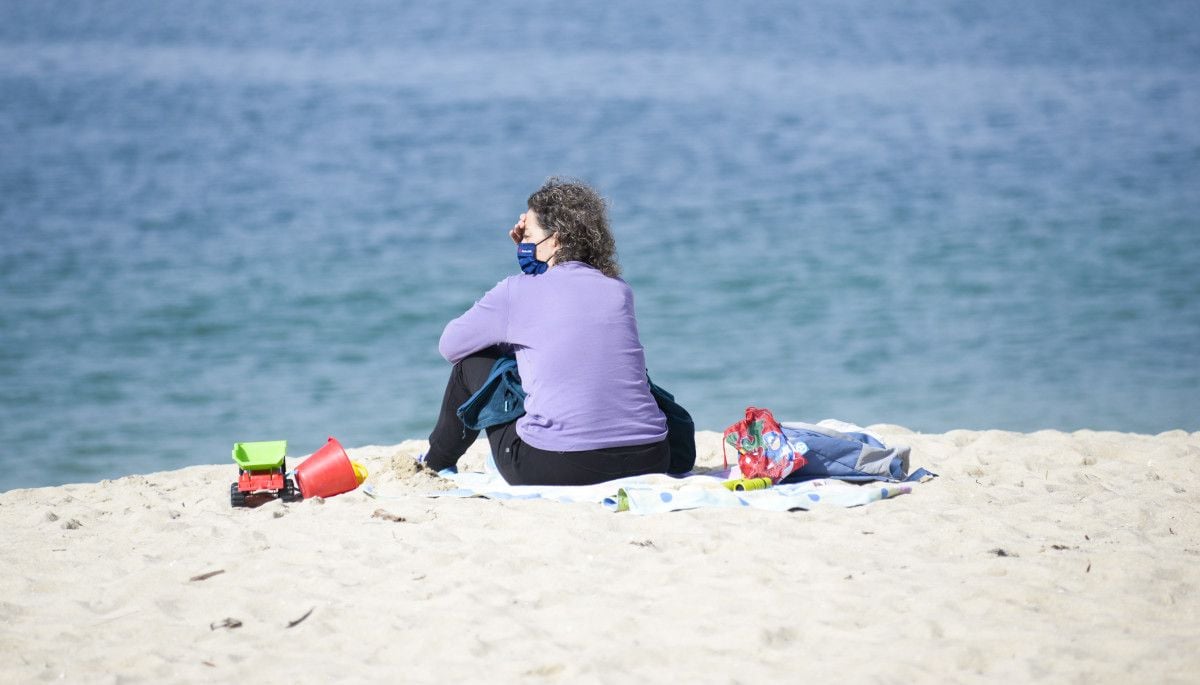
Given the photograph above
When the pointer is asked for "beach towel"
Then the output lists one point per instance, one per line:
(659, 493)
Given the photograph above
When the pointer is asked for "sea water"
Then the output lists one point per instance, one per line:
(224, 221)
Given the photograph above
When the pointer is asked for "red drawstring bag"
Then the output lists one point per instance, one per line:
(763, 450)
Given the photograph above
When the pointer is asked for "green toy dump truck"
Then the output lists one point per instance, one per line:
(261, 469)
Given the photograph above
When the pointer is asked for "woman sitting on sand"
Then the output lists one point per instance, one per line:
(589, 413)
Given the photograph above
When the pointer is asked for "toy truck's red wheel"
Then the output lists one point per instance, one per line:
(237, 498)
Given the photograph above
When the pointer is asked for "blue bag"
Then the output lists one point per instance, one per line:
(850, 456)
(499, 400)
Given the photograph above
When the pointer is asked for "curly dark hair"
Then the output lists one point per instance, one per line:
(578, 215)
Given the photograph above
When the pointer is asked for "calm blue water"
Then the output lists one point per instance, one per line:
(225, 221)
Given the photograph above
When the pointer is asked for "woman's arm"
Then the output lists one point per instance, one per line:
(483, 325)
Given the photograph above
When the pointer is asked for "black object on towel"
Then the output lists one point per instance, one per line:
(681, 430)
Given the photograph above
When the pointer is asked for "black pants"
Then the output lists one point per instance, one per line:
(523, 464)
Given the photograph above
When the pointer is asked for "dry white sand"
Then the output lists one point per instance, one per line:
(1049, 557)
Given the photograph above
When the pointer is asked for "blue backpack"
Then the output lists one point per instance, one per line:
(851, 456)
(499, 400)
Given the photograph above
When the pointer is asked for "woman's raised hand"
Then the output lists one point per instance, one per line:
(518, 232)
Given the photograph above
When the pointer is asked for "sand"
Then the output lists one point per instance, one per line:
(1048, 557)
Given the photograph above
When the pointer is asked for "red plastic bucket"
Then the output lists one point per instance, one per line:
(327, 472)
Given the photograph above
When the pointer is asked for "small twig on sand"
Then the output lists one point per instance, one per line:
(227, 623)
(206, 576)
(293, 624)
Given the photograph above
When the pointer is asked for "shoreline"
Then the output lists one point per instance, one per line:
(1034, 556)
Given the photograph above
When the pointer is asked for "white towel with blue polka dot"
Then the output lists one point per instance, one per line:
(657, 493)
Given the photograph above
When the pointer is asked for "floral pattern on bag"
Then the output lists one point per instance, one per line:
(762, 448)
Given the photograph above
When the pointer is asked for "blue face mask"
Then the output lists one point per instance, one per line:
(527, 258)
